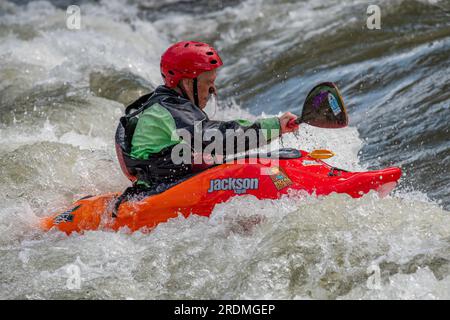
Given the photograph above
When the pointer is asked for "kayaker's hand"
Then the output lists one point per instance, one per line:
(287, 123)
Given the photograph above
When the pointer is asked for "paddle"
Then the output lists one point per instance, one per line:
(323, 108)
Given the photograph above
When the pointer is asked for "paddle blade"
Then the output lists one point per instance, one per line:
(321, 154)
(324, 107)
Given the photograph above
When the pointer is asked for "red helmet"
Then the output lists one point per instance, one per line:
(187, 59)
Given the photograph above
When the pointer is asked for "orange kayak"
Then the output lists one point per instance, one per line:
(295, 170)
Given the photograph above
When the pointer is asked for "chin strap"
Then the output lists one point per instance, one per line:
(183, 92)
(195, 91)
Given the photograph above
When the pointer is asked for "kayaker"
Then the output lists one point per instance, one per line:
(148, 132)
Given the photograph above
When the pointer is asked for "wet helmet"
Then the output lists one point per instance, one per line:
(187, 59)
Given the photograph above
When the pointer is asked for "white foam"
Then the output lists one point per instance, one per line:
(420, 285)
(295, 247)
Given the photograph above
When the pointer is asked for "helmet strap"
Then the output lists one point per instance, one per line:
(196, 92)
(183, 91)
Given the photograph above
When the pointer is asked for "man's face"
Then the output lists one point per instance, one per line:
(205, 86)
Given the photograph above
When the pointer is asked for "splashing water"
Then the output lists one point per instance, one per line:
(62, 92)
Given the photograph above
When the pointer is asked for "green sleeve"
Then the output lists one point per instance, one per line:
(270, 126)
(154, 132)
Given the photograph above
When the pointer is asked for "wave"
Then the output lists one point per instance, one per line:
(62, 92)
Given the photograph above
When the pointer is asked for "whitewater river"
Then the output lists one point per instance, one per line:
(62, 92)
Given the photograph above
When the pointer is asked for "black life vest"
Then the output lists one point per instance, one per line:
(158, 168)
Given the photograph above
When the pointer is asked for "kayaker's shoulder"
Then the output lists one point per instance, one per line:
(164, 94)
(168, 109)
(156, 110)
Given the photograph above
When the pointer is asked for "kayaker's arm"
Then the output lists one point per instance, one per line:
(156, 130)
(271, 128)
(242, 135)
